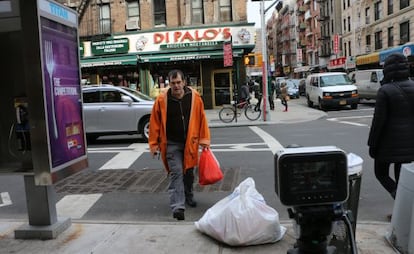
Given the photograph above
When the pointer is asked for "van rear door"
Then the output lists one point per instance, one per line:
(375, 83)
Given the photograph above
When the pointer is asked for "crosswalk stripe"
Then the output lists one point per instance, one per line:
(338, 120)
(124, 159)
(76, 206)
(273, 144)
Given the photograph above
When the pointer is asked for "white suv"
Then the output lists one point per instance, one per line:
(331, 89)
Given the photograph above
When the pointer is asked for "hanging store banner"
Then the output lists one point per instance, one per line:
(336, 44)
(337, 63)
(299, 58)
(227, 54)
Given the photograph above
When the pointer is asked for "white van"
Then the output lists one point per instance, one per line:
(331, 89)
(368, 82)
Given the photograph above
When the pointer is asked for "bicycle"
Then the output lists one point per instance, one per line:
(228, 113)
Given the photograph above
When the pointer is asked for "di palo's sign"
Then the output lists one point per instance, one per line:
(203, 38)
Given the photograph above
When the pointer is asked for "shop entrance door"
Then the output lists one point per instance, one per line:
(221, 87)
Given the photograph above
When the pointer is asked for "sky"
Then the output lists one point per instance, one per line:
(253, 10)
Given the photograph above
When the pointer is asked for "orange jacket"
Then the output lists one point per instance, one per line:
(198, 132)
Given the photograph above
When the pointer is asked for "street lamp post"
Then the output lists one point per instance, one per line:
(264, 63)
(264, 58)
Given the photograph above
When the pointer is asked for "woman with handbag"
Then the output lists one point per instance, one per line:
(284, 95)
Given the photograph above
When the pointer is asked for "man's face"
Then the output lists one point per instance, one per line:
(177, 86)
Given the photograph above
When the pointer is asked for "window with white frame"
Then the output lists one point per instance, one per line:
(133, 9)
(225, 10)
(197, 12)
(133, 15)
(377, 10)
(104, 19)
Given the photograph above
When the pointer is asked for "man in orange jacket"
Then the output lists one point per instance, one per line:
(178, 126)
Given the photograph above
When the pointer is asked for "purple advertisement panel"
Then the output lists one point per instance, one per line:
(62, 92)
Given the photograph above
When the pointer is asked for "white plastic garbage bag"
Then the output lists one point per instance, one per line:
(242, 218)
(354, 164)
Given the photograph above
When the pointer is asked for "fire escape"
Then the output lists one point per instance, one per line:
(81, 8)
(324, 40)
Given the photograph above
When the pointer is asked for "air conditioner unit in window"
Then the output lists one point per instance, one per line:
(367, 48)
(132, 24)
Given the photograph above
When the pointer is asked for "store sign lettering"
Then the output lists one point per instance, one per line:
(191, 44)
(192, 35)
(115, 46)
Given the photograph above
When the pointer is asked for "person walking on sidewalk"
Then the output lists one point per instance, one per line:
(391, 137)
(271, 89)
(284, 95)
(178, 126)
(257, 89)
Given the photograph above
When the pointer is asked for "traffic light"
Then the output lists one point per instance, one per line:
(249, 60)
(279, 6)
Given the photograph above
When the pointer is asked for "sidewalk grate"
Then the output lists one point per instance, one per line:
(136, 181)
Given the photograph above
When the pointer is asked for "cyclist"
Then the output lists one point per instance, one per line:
(244, 93)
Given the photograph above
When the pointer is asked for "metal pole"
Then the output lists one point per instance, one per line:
(264, 64)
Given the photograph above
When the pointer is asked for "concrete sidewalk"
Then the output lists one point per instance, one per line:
(298, 112)
(163, 237)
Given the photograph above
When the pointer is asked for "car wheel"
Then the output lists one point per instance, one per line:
(354, 106)
(320, 106)
(310, 103)
(143, 129)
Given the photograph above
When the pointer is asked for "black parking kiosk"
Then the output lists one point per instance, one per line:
(41, 125)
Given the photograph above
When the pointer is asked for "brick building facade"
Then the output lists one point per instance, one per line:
(136, 42)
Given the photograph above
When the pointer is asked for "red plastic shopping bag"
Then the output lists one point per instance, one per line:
(209, 171)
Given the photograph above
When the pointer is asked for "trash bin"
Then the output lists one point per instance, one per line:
(339, 237)
(354, 178)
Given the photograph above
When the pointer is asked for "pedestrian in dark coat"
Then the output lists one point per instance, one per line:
(391, 137)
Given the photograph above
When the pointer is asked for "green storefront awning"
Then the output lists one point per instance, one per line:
(109, 61)
(182, 56)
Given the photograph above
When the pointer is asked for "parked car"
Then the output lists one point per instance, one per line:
(292, 88)
(113, 110)
(368, 82)
(331, 89)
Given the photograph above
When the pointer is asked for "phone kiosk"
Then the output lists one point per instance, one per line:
(41, 122)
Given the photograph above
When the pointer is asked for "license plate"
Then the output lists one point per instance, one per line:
(342, 102)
